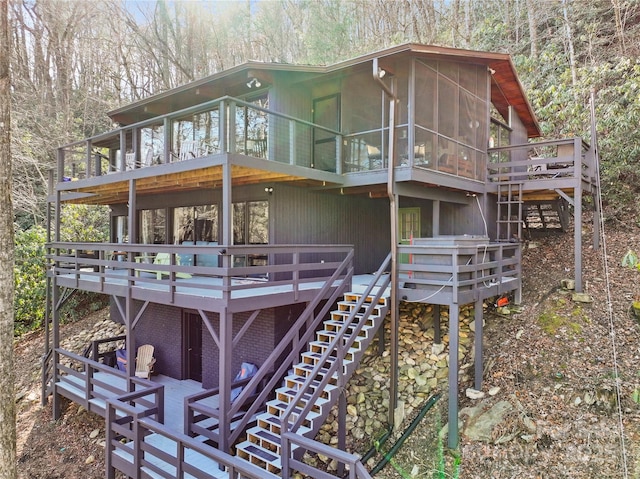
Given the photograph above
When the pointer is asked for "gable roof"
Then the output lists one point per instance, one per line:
(506, 89)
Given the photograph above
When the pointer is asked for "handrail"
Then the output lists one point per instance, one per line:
(87, 374)
(560, 168)
(482, 265)
(339, 345)
(191, 406)
(189, 110)
(356, 468)
(47, 375)
(136, 425)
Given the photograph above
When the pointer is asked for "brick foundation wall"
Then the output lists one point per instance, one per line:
(161, 326)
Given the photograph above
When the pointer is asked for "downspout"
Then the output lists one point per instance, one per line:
(393, 210)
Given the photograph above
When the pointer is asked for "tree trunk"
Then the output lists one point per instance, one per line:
(7, 394)
(533, 27)
(569, 37)
(619, 25)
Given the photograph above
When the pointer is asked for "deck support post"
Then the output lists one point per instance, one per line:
(596, 220)
(454, 341)
(224, 398)
(56, 345)
(578, 240)
(130, 344)
(437, 338)
(477, 342)
(342, 427)
(381, 346)
(435, 222)
(55, 302)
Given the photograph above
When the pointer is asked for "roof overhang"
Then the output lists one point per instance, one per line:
(506, 89)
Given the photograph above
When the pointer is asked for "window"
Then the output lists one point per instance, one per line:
(251, 222)
(195, 223)
(119, 231)
(252, 126)
(251, 226)
(153, 226)
(455, 120)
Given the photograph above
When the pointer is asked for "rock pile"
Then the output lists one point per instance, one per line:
(423, 371)
(102, 329)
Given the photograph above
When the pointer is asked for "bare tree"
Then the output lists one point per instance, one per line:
(570, 46)
(618, 6)
(8, 468)
(532, 18)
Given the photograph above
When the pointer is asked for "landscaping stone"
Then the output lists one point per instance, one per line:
(482, 419)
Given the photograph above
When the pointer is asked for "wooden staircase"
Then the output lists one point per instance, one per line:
(547, 216)
(310, 390)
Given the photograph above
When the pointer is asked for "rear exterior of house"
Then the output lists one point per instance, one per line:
(272, 215)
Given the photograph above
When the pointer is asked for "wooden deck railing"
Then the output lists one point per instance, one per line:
(561, 160)
(289, 268)
(460, 274)
(242, 128)
(356, 469)
(77, 378)
(135, 442)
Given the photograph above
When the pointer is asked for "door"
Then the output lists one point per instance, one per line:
(192, 346)
(326, 112)
(408, 228)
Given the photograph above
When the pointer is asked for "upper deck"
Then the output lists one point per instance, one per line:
(259, 144)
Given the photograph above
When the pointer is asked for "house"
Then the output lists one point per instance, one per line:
(256, 220)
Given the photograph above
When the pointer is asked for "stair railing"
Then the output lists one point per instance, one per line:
(352, 461)
(340, 346)
(297, 343)
(308, 321)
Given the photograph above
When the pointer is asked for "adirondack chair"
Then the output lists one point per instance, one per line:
(145, 361)
(160, 258)
(130, 160)
(190, 150)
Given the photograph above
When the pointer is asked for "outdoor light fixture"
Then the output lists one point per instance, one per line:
(268, 189)
(381, 73)
(254, 82)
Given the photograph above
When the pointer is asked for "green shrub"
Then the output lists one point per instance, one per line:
(30, 279)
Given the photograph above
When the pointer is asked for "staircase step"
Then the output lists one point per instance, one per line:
(322, 346)
(265, 439)
(341, 316)
(277, 408)
(355, 297)
(313, 358)
(304, 370)
(259, 456)
(333, 326)
(295, 381)
(287, 395)
(329, 336)
(377, 310)
(273, 424)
